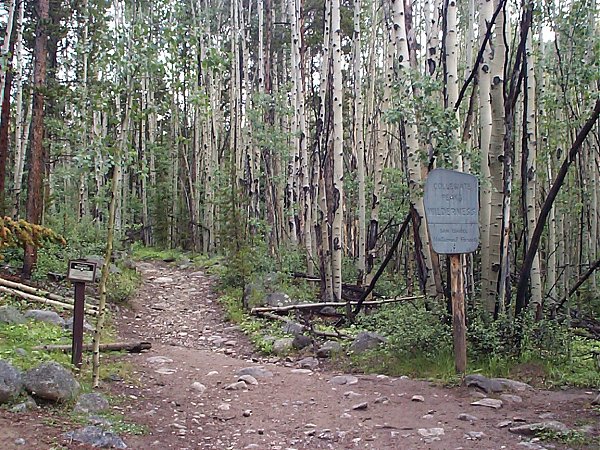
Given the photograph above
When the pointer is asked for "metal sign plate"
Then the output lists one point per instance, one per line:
(452, 211)
(82, 271)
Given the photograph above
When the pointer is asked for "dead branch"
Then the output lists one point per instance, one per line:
(333, 304)
(35, 298)
(131, 347)
(41, 293)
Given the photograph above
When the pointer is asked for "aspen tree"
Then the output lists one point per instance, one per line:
(338, 151)
(19, 136)
(413, 151)
(358, 140)
(451, 56)
(4, 50)
(491, 272)
(529, 175)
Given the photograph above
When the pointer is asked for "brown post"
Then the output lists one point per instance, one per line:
(459, 329)
(78, 313)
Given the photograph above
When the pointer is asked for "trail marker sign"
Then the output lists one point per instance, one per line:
(79, 273)
(452, 211)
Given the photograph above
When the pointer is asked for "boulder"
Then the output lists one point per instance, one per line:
(329, 311)
(366, 340)
(96, 437)
(278, 299)
(86, 326)
(91, 403)
(328, 349)
(292, 328)
(308, 363)
(250, 297)
(42, 315)
(495, 385)
(283, 346)
(11, 382)
(301, 341)
(51, 381)
(11, 315)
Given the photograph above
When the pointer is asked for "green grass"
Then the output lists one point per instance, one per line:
(153, 253)
(28, 335)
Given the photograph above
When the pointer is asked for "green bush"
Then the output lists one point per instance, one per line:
(411, 329)
(122, 285)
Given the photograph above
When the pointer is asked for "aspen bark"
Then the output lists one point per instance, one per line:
(19, 137)
(413, 151)
(492, 265)
(529, 175)
(338, 151)
(451, 55)
(358, 140)
(4, 50)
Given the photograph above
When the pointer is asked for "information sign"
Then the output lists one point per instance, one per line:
(452, 211)
(82, 271)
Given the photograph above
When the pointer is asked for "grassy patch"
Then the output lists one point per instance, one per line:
(121, 286)
(154, 253)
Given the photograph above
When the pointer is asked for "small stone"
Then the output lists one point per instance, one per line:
(19, 441)
(417, 398)
(510, 398)
(159, 360)
(308, 363)
(212, 373)
(166, 371)
(360, 406)
(224, 407)
(475, 435)
(236, 386)
(596, 401)
(247, 413)
(383, 400)
(256, 372)
(198, 387)
(302, 371)
(431, 433)
(341, 380)
(163, 280)
(489, 403)
(248, 379)
(504, 424)
(467, 417)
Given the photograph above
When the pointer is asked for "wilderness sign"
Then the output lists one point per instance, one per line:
(452, 211)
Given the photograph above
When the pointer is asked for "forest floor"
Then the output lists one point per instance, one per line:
(177, 392)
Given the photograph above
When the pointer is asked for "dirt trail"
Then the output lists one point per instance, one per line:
(294, 408)
(177, 390)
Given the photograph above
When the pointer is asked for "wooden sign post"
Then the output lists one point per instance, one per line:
(452, 210)
(79, 273)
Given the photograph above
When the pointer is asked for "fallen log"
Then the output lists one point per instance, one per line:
(131, 347)
(336, 334)
(334, 304)
(40, 293)
(46, 301)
